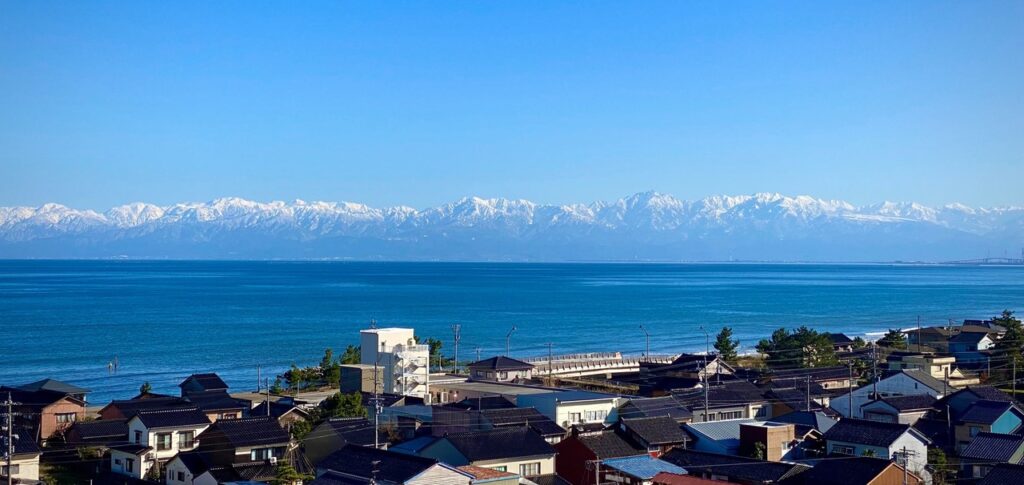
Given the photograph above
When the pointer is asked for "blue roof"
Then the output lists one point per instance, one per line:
(413, 446)
(644, 467)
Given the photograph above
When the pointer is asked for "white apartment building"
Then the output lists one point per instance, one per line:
(403, 364)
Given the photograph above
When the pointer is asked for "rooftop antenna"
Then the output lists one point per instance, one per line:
(373, 323)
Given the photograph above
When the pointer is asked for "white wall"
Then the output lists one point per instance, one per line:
(28, 468)
(564, 409)
(547, 464)
(139, 469)
(895, 385)
(439, 475)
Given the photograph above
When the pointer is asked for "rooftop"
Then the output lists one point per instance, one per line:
(171, 418)
(500, 363)
(871, 433)
(986, 412)
(53, 385)
(655, 406)
(845, 470)
(917, 402)
(644, 467)
(1004, 474)
(500, 443)
(481, 473)
(734, 467)
(608, 444)
(361, 461)
(208, 381)
(993, 447)
(807, 420)
(659, 430)
(259, 430)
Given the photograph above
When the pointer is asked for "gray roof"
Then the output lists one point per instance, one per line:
(500, 443)
(985, 411)
(53, 385)
(659, 430)
(993, 447)
(608, 444)
(1004, 474)
(806, 420)
(916, 402)
(655, 406)
(927, 379)
(500, 363)
(870, 433)
(727, 431)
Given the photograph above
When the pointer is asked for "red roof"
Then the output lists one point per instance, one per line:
(665, 478)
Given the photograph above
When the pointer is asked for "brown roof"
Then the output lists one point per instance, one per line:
(481, 473)
(666, 478)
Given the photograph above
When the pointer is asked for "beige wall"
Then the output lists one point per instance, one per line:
(547, 464)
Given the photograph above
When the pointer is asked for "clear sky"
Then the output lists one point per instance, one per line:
(420, 103)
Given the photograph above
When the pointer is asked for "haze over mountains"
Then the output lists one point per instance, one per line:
(643, 227)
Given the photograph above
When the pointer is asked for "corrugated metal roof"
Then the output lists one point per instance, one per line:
(644, 466)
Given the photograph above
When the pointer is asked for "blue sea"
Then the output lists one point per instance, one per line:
(163, 320)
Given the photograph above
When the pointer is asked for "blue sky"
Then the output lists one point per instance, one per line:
(419, 103)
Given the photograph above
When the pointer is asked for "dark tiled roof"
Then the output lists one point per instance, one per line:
(864, 432)
(277, 409)
(608, 444)
(524, 417)
(500, 363)
(1004, 474)
(35, 399)
(99, 429)
(806, 421)
(129, 407)
(815, 373)
(259, 471)
(655, 406)
(133, 448)
(989, 393)
(726, 394)
(993, 447)
(208, 381)
(844, 471)
(174, 417)
(24, 444)
(215, 400)
(660, 430)
(968, 337)
(334, 478)
(986, 412)
(259, 430)
(549, 480)
(734, 467)
(356, 431)
(359, 461)
(500, 443)
(839, 338)
(910, 403)
(53, 385)
(485, 402)
(691, 362)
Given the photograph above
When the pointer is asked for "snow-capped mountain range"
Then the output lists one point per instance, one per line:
(644, 226)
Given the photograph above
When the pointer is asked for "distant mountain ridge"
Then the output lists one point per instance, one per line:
(644, 226)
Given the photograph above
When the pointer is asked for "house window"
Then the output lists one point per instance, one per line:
(163, 441)
(129, 465)
(263, 453)
(14, 470)
(138, 437)
(575, 418)
(596, 416)
(186, 439)
(762, 412)
(500, 468)
(731, 415)
(842, 449)
(529, 469)
(974, 431)
(181, 476)
(228, 416)
(66, 418)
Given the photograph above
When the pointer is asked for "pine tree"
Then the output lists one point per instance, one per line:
(895, 339)
(145, 388)
(726, 345)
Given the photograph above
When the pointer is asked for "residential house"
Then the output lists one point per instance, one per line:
(525, 417)
(635, 470)
(807, 421)
(987, 416)
(649, 407)
(657, 434)
(578, 453)
(959, 401)
(516, 449)
(693, 366)
(217, 404)
(125, 409)
(24, 462)
(778, 441)
(500, 369)
(245, 440)
(44, 413)
(860, 470)
(840, 342)
(155, 436)
(987, 450)
(722, 437)
(567, 408)
(727, 400)
(337, 433)
(1004, 474)
(101, 433)
(665, 478)
(940, 367)
(899, 442)
(202, 383)
(489, 476)
(903, 383)
(971, 342)
(733, 469)
(286, 413)
(932, 337)
(898, 409)
(358, 464)
(829, 378)
(53, 385)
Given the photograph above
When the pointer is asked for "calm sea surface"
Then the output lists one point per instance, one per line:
(165, 320)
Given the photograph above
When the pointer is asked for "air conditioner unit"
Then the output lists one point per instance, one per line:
(272, 460)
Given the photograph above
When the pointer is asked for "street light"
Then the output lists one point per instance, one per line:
(508, 338)
(707, 349)
(647, 336)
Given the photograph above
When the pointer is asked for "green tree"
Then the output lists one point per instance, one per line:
(803, 347)
(342, 405)
(145, 388)
(299, 429)
(869, 453)
(940, 466)
(330, 370)
(726, 345)
(1009, 346)
(894, 339)
(352, 355)
(276, 387)
(859, 343)
(285, 474)
(436, 357)
(328, 359)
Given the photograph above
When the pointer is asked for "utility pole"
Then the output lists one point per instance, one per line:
(478, 349)
(9, 449)
(457, 330)
(850, 415)
(508, 339)
(1014, 377)
(549, 361)
(259, 379)
(808, 395)
(919, 333)
(945, 383)
(647, 351)
(707, 347)
(874, 369)
(376, 399)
